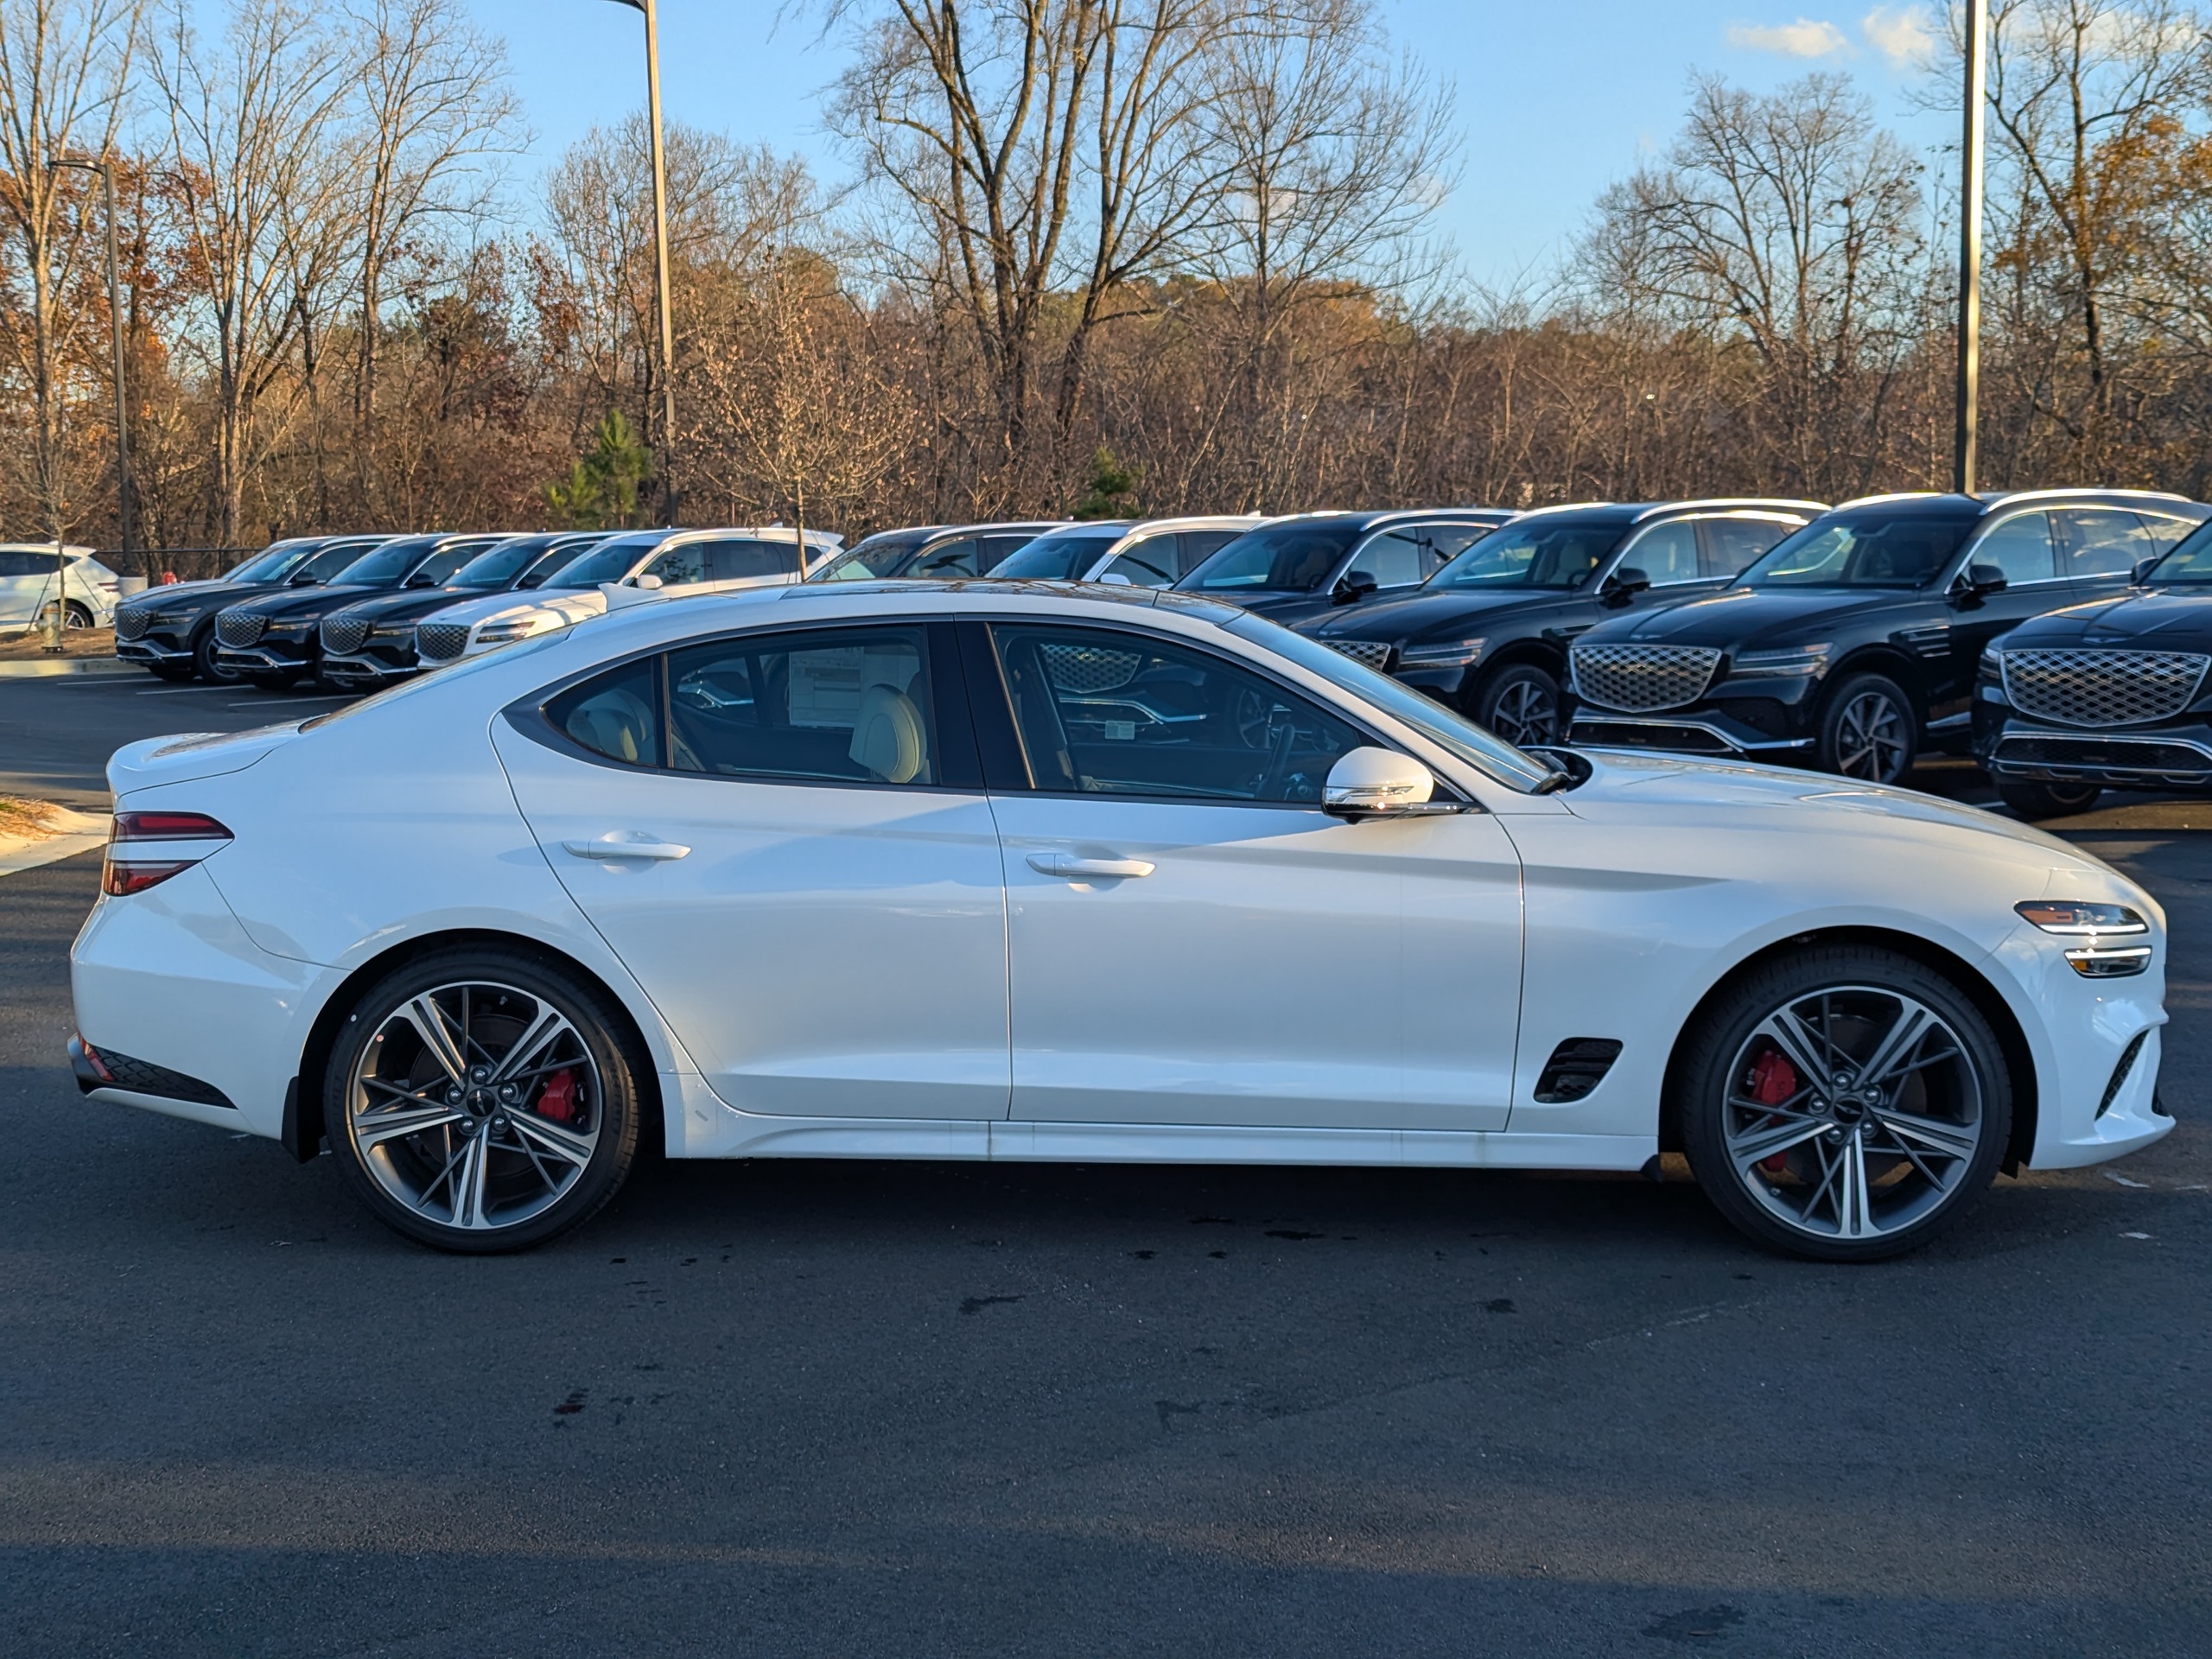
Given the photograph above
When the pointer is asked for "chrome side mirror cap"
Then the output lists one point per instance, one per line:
(1372, 783)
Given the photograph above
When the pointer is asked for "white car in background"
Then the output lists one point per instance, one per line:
(1140, 553)
(1010, 870)
(626, 569)
(89, 588)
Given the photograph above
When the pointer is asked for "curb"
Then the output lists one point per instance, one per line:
(53, 851)
(33, 669)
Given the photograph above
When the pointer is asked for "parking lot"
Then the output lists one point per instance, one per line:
(845, 1407)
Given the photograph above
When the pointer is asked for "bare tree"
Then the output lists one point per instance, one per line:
(65, 67)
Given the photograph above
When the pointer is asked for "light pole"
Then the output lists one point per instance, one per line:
(105, 168)
(660, 259)
(1965, 453)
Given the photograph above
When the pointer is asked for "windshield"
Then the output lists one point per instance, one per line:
(881, 554)
(275, 562)
(442, 566)
(325, 566)
(496, 567)
(1290, 558)
(1554, 553)
(1866, 547)
(2190, 561)
(1056, 558)
(609, 560)
(388, 564)
(563, 554)
(1448, 730)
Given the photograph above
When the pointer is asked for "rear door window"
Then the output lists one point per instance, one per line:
(616, 713)
(684, 563)
(2020, 547)
(822, 705)
(738, 559)
(2101, 542)
(1730, 546)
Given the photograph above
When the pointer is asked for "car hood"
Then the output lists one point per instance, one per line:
(2162, 619)
(570, 604)
(409, 604)
(294, 603)
(184, 756)
(1737, 616)
(1425, 615)
(193, 596)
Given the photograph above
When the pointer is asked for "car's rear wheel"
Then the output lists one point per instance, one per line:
(204, 663)
(2038, 801)
(1843, 1103)
(1520, 703)
(1869, 730)
(73, 617)
(480, 1101)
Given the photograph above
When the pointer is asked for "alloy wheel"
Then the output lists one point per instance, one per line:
(1526, 713)
(475, 1106)
(1872, 738)
(1852, 1112)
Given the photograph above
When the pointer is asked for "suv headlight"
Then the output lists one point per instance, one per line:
(2093, 925)
(1797, 661)
(1457, 653)
(392, 630)
(516, 627)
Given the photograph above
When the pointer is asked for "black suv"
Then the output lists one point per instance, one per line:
(171, 630)
(1291, 569)
(940, 550)
(372, 640)
(1489, 632)
(2109, 694)
(1855, 640)
(274, 640)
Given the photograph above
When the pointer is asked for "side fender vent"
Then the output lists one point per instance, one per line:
(1577, 1066)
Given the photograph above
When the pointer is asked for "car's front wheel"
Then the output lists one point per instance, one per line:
(2035, 802)
(482, 1100)
(1869, 730)
(1843, 1102)
(1520, 703)
(204, 662)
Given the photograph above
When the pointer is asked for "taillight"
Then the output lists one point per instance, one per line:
(145, 848)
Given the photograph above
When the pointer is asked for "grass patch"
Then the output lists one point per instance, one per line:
(23, 820)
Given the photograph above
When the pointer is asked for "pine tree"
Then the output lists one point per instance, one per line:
(602, 491)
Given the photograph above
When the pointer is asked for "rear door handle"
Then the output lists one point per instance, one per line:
(634, 845)
(1066, 864)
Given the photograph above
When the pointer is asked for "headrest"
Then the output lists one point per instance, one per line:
(887, 735)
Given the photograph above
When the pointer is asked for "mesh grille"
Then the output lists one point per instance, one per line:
(239, 629)
(342, 635)
(442, 641)
(131, 623)
(2102, 688)
(1640, 679)
(1084, 668)
(1373, 653)
(2093, 752)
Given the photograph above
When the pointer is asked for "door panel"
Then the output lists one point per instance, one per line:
(830, 948)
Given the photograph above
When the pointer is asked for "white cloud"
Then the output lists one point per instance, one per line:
(1903, 34)
(1803, 39)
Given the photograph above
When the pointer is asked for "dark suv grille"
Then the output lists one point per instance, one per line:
(1641, 679)
(342, 635)
(131, 622)
(239, 629)
(2102, 688)
(442, 641)
(1376, 653)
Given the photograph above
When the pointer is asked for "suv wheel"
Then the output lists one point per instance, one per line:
(1843, 1103)
(482, 1100)
(204, 663)
(1869, 730)
(2037, 801)
(1520, 703)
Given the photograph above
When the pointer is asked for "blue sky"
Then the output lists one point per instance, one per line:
(1555, 99)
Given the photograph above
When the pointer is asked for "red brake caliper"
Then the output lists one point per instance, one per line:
(1773, 1081)
(559, 1100)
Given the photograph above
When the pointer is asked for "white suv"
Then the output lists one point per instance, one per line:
(1146, 553)
(627, 568)
(89, 588)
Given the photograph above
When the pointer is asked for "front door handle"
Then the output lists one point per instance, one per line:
(634, 845)
(1066, 864)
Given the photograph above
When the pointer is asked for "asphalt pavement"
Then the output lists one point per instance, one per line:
(923, 1408)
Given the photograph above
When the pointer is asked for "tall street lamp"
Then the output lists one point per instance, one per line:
(660, 258)
(1965, 453)
(105, 168)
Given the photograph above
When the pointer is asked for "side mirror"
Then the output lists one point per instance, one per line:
(1372, 783)
(1977, 582)
(651, 584)
(2141, 573)
(1355, 586)
(1115, 579)
(1623, 585)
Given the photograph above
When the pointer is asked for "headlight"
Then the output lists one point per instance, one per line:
(290, 625)
(520, 628)
(1459, 653)
(1798, 662)
(392, 630)
(2094, 925)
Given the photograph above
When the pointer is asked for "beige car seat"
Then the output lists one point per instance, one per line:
(888, 738)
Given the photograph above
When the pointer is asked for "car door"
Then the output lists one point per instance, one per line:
(2098, 547)
(1192, 940)
(784, 837)
(2020, 546)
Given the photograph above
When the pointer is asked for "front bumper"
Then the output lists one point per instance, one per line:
(369, 667)
(2013, 748)
(151, 649)
(271, 656)
(1753, 718)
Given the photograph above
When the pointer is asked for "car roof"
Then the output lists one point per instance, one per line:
(1987, 501)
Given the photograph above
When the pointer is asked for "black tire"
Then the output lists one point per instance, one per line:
(74, 616)
(491, 1168)
(1520, 703)
(1869, 730)
(2035, 802)
(1832, 1141)
(203, 659)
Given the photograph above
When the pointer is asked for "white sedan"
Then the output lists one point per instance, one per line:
(997, 870)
